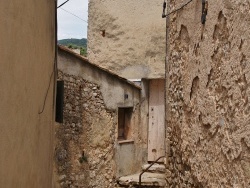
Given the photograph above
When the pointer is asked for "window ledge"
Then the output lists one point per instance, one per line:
(125, 141)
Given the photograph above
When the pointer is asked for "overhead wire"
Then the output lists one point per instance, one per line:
(55, 58)
(74, 15)
(63, 4)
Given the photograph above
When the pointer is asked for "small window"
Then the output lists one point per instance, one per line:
(124, 122)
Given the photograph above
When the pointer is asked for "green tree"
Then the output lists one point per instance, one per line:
(83, 51)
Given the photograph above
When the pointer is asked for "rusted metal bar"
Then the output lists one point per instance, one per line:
(148, 168)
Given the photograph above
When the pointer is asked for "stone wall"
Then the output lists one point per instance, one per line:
(85, 141)
(87, 150)
(208, 96)
(127, 37)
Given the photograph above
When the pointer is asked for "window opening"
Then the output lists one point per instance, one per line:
(59, 101)
(124, 122)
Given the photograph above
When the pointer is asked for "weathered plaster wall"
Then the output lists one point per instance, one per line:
(127, 37)
(26, 63)
(88, 153)
(208, 96)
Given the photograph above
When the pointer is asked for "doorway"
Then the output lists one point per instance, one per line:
(156, 129)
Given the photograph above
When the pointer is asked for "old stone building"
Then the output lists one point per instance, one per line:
(27, 67)
(102, 137)
(204, 135)
(208, 94)
(128, 37)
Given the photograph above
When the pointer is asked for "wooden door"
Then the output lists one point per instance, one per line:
(156, 130)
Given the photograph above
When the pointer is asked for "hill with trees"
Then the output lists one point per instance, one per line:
(75, 44)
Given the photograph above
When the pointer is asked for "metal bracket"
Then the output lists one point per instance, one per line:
(204, 11)
(164, 9)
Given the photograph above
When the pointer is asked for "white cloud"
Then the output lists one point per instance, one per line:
(70, 26)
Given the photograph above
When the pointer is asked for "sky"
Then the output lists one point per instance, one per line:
(70, 26)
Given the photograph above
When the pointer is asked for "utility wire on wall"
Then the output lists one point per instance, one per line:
(54, 71)
(164, 15)
(50, 80)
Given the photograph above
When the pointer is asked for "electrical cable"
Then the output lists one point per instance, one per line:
(63, 4)
(45, 99)
(74, 15)
(54, 67)
(164, 16)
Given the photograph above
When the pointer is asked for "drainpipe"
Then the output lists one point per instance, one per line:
(166, 89)
(165, 93)
(56, 52)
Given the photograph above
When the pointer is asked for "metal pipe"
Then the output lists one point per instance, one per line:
(147, 169)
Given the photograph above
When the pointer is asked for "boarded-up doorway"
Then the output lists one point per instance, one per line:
(156, 130)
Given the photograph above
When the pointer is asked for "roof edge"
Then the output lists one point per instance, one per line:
(97, 66)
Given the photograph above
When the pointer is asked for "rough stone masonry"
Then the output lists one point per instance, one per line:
(208, 95)
(84, 148)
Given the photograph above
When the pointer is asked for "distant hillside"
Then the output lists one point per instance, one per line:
(74, 42)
